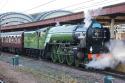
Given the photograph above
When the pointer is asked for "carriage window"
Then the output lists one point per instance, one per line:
(14, 39)
(2, 39)
(11, 39)
(18, 40)
(8, 39)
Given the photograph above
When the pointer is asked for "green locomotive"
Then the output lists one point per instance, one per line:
(71, 44)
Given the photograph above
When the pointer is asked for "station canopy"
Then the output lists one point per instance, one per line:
(14, 18)
(49, 14)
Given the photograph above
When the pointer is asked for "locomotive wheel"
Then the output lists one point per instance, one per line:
(61, 55)
(54, 56)
(69, 58)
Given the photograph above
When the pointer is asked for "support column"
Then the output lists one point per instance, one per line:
(112, 29)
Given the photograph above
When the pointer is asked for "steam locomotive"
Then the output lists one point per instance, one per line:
(70, 44)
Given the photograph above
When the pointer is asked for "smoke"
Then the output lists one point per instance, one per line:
(112, 59)
(89, 15)
(117, 49)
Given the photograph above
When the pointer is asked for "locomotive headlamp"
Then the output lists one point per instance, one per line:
(91, 49)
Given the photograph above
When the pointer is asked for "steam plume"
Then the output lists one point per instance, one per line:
(117, 49)
(88, 17)
(117, 52)
(89, 14)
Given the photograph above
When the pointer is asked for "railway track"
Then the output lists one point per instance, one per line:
(106, 72)
(114, 73)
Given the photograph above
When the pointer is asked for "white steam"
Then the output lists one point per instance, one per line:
(89, 15)
(111, 60)
(117, 49)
